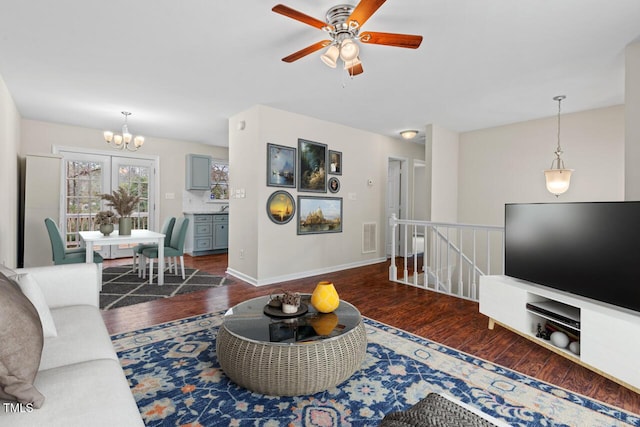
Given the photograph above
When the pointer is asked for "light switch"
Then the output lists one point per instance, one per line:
(169, 196)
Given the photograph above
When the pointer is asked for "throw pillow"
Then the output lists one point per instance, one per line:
(21, 338)
(31, 290)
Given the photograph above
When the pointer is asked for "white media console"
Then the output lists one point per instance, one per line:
(609, 335)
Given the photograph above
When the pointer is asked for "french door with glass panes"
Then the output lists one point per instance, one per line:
(87, 176)
(136, 175)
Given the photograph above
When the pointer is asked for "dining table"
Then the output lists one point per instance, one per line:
(96, 238)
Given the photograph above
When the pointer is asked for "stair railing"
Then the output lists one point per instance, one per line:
(445, 257)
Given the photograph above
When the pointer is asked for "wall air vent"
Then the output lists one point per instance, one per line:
(369, 237)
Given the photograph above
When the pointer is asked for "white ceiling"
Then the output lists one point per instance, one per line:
(183, 67)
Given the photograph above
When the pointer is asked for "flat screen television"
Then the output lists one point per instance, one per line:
(589, 249)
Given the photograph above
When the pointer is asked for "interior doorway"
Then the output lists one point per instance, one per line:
(397, 195)
(420, 192)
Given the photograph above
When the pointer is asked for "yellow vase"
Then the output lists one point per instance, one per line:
(324, 323)
(325, 298)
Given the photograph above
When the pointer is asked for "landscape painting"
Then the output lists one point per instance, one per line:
(281, 207)
(312, 161)
(281, 166)
(319, 215)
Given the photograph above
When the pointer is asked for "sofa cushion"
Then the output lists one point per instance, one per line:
(21, 345)
(82, 336)
(94, 393)
(31, 289)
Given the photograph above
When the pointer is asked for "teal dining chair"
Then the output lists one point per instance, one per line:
(60, 254)
(167, 229)
(175, 248)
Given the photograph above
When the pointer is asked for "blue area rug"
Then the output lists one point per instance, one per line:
(177, 381)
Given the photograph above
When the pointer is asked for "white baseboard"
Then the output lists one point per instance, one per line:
(263, 282)
(241, 276)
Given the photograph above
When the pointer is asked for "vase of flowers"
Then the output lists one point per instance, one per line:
(105, 221)
(124, 203)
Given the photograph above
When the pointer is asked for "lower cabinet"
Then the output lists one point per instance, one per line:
(607, 334)
(220, 231)
(207, 234)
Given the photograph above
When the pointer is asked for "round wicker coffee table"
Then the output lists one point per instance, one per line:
(290, 356)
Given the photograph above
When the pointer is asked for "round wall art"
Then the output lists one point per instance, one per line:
(281, 207)
(334, 184)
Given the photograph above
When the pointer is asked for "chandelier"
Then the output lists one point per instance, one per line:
(558, 178)
(124, 140)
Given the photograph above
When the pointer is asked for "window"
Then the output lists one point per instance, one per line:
(219, 179)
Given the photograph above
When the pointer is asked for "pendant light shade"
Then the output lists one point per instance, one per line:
(348, 50)
(558, 178)
(330, 57)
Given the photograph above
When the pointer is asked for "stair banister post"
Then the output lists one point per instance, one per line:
(393, 270)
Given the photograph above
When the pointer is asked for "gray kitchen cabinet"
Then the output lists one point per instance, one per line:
(198, 171)
(221, 231)
(202, 233)
(207, 233)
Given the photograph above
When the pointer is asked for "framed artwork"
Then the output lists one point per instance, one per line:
(334, 184)
(319, 215)
(312, 160)
(281, 207)
(335, 162)
(281, 166)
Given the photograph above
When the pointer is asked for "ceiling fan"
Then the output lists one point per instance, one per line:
(343, 23)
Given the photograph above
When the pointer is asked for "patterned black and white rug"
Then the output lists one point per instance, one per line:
(122, 287)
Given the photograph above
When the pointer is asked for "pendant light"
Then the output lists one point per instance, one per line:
(558, 177)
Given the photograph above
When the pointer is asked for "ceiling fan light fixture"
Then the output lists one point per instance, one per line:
(330, 57)
(351, 64)
(349, 50)
(342, 24)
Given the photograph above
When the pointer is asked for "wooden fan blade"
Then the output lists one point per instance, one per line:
(364, 10)
(299, 16)
(306, 51)
(355, 70)
(391, 39)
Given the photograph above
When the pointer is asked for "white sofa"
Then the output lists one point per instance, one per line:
(79, 374)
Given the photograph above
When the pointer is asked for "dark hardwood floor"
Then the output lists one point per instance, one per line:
(451, 321)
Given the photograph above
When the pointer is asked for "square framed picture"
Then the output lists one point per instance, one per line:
(312, 160)
(335, 162)
(281, 166)
(317, 215)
